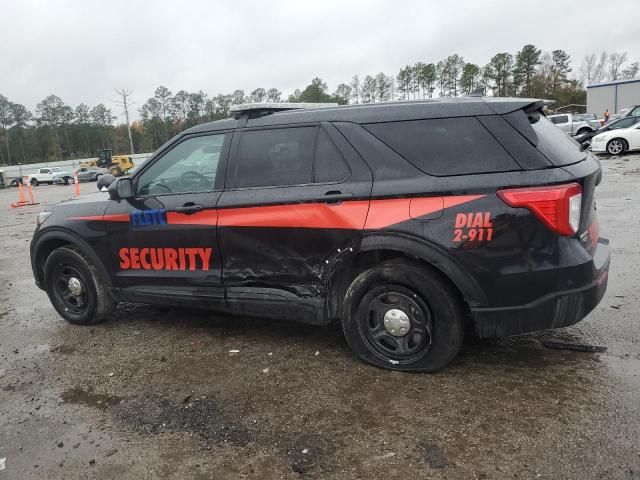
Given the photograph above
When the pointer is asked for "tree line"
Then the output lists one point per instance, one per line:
(57, 131)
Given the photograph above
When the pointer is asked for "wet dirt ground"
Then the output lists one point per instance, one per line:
(157, 393)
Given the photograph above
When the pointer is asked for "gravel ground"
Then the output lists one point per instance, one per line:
(156, 393)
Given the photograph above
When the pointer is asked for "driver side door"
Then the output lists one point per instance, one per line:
(163, 240)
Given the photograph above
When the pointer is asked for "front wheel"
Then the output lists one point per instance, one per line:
(75, 287)
(616, 146)
(583, 131)
(402, 316)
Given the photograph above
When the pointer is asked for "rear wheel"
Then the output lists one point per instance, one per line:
(583, 131)
(616, 146)
(34, 182)
(68, 180)
(75, 287)
(401, 316)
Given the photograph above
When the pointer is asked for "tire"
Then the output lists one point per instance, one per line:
(92, 303)
(68, 180)
(116, 171)
(97, 177)
(34, 182)
(402, 316)
(583, 131)
(617, 146)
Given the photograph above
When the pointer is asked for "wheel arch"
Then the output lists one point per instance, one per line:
(47, 242)
(378, 247)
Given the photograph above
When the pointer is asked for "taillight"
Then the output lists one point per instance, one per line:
(558, 206)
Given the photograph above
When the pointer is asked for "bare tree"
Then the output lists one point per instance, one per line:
(587, 68)
(125, 103)
(615, 62)
(600, 69)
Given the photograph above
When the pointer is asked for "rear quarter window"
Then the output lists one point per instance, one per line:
(555, 144)
(449, 146)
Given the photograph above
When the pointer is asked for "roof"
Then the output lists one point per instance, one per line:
(380, 112)
(615, 82)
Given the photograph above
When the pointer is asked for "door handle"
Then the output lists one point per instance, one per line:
(189, 208)
(335, 197)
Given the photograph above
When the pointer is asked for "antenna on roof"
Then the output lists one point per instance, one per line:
(266, 108)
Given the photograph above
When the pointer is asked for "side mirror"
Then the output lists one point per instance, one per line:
(121, 189)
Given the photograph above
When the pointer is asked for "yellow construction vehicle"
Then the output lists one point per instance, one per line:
(117, 164)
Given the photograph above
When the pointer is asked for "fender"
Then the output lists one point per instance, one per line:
(418, 248)
(67, 236)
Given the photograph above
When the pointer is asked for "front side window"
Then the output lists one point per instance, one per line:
(189, 167)
(559, 119)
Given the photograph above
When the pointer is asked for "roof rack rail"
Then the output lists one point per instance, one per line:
(266, 108)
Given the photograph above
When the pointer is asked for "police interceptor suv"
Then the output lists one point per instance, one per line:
(411, 223)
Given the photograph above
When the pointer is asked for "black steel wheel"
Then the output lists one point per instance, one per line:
(70, 289)
(75, 288)
(397, 324)
(402, 315)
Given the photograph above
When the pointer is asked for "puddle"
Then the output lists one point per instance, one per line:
(91, 399)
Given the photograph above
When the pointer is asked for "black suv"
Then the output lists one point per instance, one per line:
(409, 222)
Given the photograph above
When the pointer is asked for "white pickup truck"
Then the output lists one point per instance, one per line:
(49, 175)
(571, 125)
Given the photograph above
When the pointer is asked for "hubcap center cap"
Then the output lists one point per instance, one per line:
(396, 322)
(75, 286)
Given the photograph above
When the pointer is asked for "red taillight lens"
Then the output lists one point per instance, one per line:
(558, 207)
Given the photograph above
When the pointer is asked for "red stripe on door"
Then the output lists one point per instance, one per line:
(346, 215)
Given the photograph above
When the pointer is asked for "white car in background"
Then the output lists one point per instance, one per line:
(616, 142)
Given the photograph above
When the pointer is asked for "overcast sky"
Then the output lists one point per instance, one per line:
(81, 50)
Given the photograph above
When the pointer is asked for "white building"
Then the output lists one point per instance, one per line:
(613, 96)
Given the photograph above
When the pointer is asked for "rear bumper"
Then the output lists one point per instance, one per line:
(556, 310)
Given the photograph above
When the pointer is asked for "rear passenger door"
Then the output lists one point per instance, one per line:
(296, 199)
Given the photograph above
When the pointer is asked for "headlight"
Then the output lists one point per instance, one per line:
(42, 216)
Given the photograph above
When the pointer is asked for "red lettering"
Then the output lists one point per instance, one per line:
(170, 257)
(477, 220)
(487, 219)
(143, 259)
(124, 258)
(192, 252)
(205, 255)
(157, 258)
(182, 259)
(135, 258)
(461, 219)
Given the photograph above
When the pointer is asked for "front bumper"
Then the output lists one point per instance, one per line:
(556, 310)
(598, 147)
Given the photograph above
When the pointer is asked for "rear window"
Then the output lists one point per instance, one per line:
(555, 144)
(449, 146)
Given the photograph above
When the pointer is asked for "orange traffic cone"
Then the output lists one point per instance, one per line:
(22, 201)
(76, 185)
(32, 198)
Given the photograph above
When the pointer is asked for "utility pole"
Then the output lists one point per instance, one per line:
(125, 103)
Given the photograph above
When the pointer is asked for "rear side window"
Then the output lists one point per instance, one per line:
(449, 146)
(559, 119)
(288, 156)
